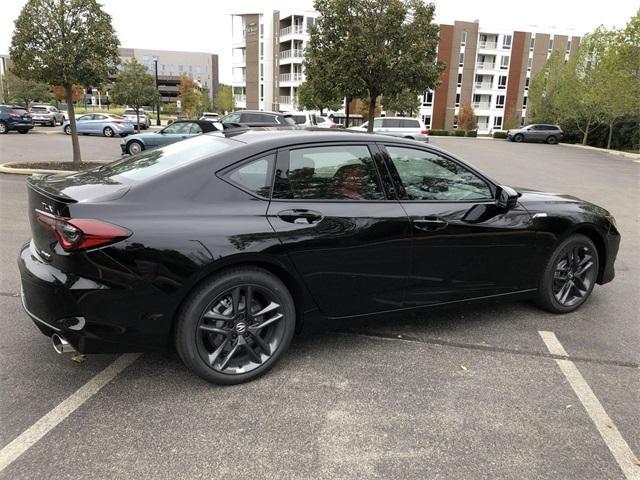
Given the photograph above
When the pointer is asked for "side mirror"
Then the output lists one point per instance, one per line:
(506, 197)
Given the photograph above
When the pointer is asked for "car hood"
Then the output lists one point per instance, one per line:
(537, 201)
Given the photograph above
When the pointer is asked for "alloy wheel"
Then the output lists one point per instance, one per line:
(574, 275)
(240, 330)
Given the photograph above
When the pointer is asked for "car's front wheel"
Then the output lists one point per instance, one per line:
(518, 138)
(134, 147)
(3, 128)
(569, 276)
(235, 326)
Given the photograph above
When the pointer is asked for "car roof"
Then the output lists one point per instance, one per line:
(206, 125)
(397, 118)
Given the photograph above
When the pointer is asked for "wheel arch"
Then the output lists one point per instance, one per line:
(591, 232)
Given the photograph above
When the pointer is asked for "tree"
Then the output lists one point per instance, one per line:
(406, 103)
(59, 93)
(135, 88)
(362, 107)
(65, 42)
(318, 95)
(190, 96)
(542, 103)
(223, 101)
(24, 91)
(374, 47)
(467, 119)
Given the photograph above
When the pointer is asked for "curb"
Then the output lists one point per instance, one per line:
(7, 168)
(455, 137)
(632, 156)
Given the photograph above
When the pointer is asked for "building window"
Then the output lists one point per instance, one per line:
(550, 44)
(190, 68)
(261, 49)
(506, 42)
(497, 122)
(529, 62)
(455, 121)
(526, 83)
(502, 82)
(459, 79)
(427, 120)
(427, 99)
(457, 99)
(533, 43)
(568, 45)
(461, 62)
(180, 68)
(504, 62)
(500, 101)
(524, 102)
(463, 38)
(261, 92)
(262, 29)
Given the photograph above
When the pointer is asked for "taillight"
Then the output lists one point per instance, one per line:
(333, 125)
(424, 132)
(119, 122)
(14, 115)
(81, 233)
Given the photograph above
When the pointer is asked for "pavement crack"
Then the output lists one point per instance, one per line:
(9, 294)
(488, 348)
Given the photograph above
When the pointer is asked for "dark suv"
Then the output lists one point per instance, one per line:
(536, 133)
(14, 118)
(254, 118)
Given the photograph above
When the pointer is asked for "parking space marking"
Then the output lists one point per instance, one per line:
(35, 432)
(610, 434)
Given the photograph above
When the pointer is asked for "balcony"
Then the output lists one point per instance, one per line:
(239, 98)
(483, 86)
(239, 60)
(485, 66)
(290, 77)
(292, 30)
(285, 100)
(239, 79)
(487, 44)
(483, 126)
(291, 54)
(482, 105)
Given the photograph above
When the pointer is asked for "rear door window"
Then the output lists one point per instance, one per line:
(254, 176)
(409, 124)
(391, 123)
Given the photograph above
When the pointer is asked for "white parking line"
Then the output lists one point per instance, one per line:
(610, 434)
(35, 432)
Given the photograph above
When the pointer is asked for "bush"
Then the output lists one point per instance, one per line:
(439, 133)
(500, 134)
(460, 133)
(472, 133)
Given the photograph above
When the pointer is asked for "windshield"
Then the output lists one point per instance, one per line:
(152, 163)
(39, 109)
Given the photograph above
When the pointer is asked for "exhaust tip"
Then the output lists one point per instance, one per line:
(60, 345)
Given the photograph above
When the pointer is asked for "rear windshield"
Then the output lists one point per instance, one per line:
(131, 112)
(299, 119)
(20, 111)
(152, 163)
(39, 109)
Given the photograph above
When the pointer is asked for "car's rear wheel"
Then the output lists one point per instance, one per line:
(67, 129)
(569, 276)
(134, 147)
(552, 140)
(235, 326)
(3, 128)
(108, 132)
(23, 130)
(518, 138)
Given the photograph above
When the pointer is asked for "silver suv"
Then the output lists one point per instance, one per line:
(536, 133)
(398, 127)
(46, 115)
(130, 116)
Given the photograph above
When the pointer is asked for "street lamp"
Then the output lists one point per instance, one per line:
(155, 61)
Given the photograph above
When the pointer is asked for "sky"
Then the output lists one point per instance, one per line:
(205, 25)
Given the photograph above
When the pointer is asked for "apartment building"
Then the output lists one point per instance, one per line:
(267, 58)
(490, 69)
(201, 67)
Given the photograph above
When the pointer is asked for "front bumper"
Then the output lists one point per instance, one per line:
(612, 240)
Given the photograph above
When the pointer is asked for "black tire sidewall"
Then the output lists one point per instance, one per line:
(546, 298)
(134, 143)
(551, 140)
(67, 130)
(519, 138)
(189, 316)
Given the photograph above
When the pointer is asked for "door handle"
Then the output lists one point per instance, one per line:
(430, 224)
(300, 216)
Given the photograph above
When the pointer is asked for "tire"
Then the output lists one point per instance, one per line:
(519, 138)
(134, 147)
(67, 129)
(108, 132)
(216, 338)
(23, 131)
(3, 128)
(552, 140)
(569, 276)
(53, 123)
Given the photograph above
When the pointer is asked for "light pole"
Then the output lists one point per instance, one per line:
(155, 61)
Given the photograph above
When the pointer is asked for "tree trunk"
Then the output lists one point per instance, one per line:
(137, 120)
(77, 159)
(586, 133)
(346, 109)
(372, 112)
(610, 134)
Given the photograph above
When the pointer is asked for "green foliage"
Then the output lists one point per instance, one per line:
(439, 133)
(190, 97)
(499, 134)
(319, 92)
(368, 48)
(459, 133)
(467, 117)
(223, 102)
(24, 91)
(472, 133)
(135, 87)
(64, 42)
(405, 103)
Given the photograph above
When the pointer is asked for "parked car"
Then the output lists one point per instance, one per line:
(46, 115)
(398, 127)
(130, 115)
(254, 118)
(65, 115)
(210, 116)
(178, 130)
(536, 133)
(224, 247)
(106, 124)
(324, 122)
(13, 117)
(304, 119)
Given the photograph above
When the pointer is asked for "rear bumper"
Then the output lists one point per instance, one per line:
(91, 316)
(20, 126)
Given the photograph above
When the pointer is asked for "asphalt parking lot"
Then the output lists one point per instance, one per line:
(470, 392)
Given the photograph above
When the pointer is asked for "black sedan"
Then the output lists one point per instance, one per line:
(222, 246)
